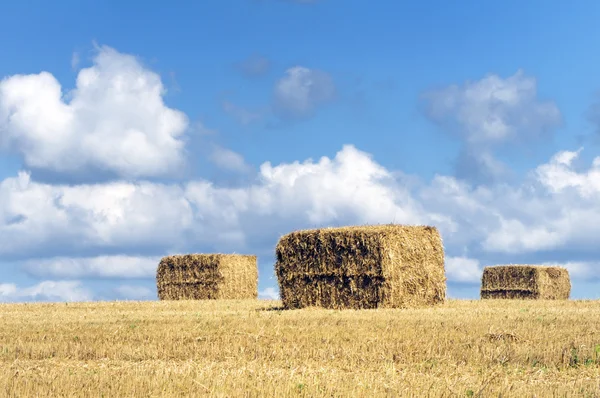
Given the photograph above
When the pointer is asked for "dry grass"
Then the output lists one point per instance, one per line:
(250, 348)
(381, 266)
(525, 282)
(207, 276)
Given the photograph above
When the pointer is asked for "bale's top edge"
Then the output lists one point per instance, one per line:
(222, 255)
(366, 228)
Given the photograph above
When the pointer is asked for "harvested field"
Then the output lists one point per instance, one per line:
(385, 266)
(525, 282)
(207, 276)
(223, 348)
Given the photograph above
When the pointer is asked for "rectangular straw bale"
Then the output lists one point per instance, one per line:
(207, 276)
(383, 266)
(525, 282)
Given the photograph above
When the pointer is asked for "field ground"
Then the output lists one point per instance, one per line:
(252, 348)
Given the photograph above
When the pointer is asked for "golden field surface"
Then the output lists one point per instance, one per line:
(253, 348)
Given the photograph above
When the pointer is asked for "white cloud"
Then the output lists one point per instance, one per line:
(494, 110)
(488, 113)
(72, 218)
(463, 270)
(561, 211)
(547, 211)
(559, 175)
(131, 292)
(45, 291)
(93, 267)
(515, 236)
(301, 90)
(114, 120)
(229, 160)
(269, 293)
(349, 188)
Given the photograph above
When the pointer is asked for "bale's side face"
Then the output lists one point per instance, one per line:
(554, 283)
(525, 282)
(240, 277)
(207, 276)
(361, 267)
(413, 267)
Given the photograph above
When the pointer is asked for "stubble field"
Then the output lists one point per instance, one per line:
(253, 348)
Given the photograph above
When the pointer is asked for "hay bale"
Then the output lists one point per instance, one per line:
(385, 266)
(207, 276)
(525, 282)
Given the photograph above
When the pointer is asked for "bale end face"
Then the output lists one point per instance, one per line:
(207, 276)
(525, 282)
(381, 266)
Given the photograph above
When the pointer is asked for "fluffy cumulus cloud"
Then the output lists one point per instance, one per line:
(301, 91)
(37, 218)
(552, 214)
(350, 187)
(562, 211)
(114, 120)
(559, 175)
(489, 113)
(45, 291)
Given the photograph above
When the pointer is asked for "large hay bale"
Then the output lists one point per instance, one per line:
(391, 266)
(207, 276)
(525, 282)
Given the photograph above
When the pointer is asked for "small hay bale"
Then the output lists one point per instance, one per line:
(385, 266)
(207, 276)
(525, 282)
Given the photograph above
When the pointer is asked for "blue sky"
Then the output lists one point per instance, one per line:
(130, 132)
